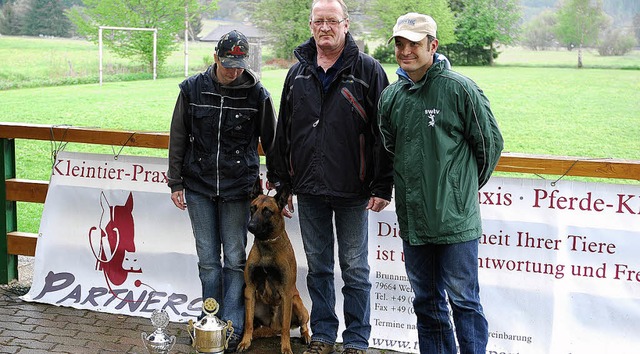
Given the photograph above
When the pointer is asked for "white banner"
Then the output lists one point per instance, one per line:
(111, 240)
(559, 269)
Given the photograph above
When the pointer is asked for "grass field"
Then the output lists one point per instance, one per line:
(545, 108)
(37, 62)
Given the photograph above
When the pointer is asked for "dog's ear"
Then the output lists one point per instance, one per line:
(256, 190)
(282, 195)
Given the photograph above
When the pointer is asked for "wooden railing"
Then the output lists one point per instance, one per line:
(14, 189)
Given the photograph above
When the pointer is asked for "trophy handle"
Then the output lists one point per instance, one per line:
(190, 329)
(173, 341)
(230, 329)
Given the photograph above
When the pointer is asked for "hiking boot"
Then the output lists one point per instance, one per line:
(317, 347)
(354, 351)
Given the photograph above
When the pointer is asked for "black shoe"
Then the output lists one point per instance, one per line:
(232, 345)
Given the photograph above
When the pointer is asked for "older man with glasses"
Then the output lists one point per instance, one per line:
(328, 151)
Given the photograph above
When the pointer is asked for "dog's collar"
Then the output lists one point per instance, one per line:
(271, 240)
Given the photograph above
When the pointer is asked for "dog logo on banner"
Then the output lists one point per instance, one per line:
(113, 242)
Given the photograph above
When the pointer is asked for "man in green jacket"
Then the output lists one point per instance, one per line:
(445, 144)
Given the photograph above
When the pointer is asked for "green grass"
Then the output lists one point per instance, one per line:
(516, 56)
(559, 110)
(36, 62)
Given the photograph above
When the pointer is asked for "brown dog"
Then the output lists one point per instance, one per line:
(272, 302)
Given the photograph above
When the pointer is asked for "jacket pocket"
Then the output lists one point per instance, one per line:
(456, 186)
(239, 124)
(362, 172)
(202, 132)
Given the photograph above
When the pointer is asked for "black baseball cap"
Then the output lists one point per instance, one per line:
(232, 49)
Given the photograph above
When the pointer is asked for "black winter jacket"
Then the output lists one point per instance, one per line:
(328, 143)
(213, 145)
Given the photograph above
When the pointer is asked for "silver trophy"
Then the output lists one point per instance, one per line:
(159, 342)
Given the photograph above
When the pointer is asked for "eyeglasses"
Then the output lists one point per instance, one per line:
(330, 23)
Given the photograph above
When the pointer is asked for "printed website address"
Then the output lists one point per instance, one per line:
(394, 344)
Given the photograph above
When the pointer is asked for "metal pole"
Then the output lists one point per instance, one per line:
(100, 52)
(186, 40)
(155, 58)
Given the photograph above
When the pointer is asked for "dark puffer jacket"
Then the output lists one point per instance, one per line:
(214, 135)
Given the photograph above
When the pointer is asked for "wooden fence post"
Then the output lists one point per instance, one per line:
(8, 212)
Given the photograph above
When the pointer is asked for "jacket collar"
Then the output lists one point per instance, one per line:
(306, 52)
(435, 69)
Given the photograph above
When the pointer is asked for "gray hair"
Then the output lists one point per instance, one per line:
(345, 10)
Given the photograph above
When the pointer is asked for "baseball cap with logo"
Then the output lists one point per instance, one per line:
(414, 27)
(232, 49)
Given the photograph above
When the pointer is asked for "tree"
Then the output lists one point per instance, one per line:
(46, 17)
(579, 23)
(167, 16)
(388, 11)
(285, 22)
(485, 24)
(12, 17)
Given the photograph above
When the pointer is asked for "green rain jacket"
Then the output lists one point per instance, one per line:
(446, 143)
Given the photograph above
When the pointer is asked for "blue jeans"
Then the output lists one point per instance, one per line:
(221, 225)
(351, 224)
(438, 271)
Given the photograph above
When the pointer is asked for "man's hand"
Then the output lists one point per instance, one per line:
(377, 204)
(288, 209)
(178, 199)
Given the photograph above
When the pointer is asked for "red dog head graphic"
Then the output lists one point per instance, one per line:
(114, 247)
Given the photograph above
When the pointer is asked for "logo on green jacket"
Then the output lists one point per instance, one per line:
(431, 114)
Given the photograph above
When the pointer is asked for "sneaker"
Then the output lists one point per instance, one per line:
(317, 347)
(232, 345)
(354, 351)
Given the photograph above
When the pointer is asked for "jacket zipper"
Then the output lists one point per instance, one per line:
(218, 152)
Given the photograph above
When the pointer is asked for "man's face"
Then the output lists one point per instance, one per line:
(226, 76)
(415, 57)
(328, 25)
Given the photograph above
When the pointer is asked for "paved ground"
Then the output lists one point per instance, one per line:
(34, 328)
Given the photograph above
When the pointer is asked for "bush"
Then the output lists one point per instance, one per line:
(538, 33)
(616, 43)
(206, 61)
(459, 55)
(385, 54)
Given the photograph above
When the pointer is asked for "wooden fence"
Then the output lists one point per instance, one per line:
(13, 189)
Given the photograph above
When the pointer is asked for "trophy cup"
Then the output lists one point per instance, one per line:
(208, 335)
(159, 342)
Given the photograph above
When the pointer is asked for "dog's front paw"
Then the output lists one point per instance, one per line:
(244, 344)
(306, 338)
(286, 349)
(305, 335)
